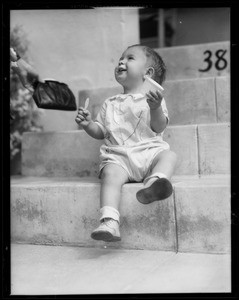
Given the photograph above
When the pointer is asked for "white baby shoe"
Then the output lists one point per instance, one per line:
(108, 231)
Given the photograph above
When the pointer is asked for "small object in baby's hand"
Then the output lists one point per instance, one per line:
(49, 79)
(150, 85)
(87, 101)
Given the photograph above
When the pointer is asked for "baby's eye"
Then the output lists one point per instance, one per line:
(131, 57)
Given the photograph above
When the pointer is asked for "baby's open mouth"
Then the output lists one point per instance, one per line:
(120, 69)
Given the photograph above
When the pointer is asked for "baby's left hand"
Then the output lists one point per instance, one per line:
(154, 99)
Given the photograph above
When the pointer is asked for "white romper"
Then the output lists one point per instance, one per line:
(129, 140)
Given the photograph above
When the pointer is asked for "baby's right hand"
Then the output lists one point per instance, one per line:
(83, 117)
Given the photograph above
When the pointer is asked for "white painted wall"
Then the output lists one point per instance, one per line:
(79, 47)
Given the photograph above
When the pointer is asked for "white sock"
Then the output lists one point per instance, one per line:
(150, 179)
(109, 212)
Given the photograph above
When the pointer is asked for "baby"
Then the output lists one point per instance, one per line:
(132, 126)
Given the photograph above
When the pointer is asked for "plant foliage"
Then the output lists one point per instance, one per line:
(23, 109)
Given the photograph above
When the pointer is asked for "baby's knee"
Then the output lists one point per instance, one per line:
(173, 156)
(169, 156)
(113, 174)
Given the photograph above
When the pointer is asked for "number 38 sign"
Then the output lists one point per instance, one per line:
(216, 60)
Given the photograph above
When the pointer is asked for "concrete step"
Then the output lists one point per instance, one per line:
(197, 101)
(200, 149)
(59, 211)
(189, 101)
(42, 270)
(187, 61)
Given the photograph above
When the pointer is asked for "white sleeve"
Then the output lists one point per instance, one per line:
(100, 118)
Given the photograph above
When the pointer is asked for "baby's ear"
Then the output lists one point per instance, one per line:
(150, 71)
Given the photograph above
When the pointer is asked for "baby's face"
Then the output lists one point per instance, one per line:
(132, 67)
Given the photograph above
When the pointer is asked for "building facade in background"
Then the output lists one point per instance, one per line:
(81, 47)
(184, 26)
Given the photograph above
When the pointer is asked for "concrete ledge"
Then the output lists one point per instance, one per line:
(183, 141)
(71, 153)
(203, 216)
(191, 101)
(68, 211)
(65, 211)
(186, 61)
(214, 148)
(223, 95)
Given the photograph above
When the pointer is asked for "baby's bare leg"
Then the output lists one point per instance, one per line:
(112, 179)
(157, 184)
(165, 163)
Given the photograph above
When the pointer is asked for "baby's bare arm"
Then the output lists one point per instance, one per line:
(158, 120)
(94, 130)
(83, 118)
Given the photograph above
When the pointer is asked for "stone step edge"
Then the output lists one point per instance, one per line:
(191, 45)
(178, 180)
(167, 81)
(169, 126)
(195, 79)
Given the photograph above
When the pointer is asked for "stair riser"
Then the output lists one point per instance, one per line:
(59, 215)
(197, 219)
(203, 218)
(214, 149)
(186, 61)
(191, 101)
(198, 101)
(223, 99)
(199, 148)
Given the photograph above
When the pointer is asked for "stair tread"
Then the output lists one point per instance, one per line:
(197, 78)
(180, 180)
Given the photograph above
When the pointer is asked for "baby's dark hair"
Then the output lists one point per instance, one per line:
(157, 63)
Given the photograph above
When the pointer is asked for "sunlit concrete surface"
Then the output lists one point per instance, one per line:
(62, 211)
(47, 270)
